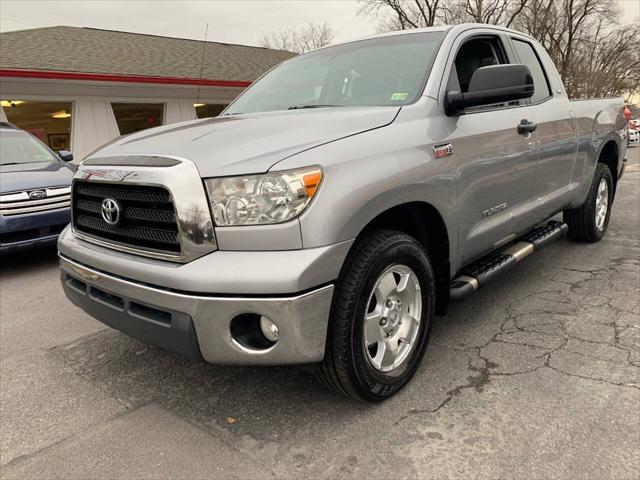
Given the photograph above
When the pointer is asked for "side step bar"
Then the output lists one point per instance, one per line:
(480, 272)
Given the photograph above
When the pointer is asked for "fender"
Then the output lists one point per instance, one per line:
(593, 154)
(370, 173)
(594, 133)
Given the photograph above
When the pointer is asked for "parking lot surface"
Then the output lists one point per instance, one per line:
(534, 377)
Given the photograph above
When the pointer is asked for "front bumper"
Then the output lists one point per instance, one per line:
(198, 325)
(28, 230)
(224, 273)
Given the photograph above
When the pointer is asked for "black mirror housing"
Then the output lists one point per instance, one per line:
(492, 84)
(65, 155)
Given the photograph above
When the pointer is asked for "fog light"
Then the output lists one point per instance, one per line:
(269, 329)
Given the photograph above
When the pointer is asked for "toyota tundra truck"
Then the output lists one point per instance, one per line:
(340, 202)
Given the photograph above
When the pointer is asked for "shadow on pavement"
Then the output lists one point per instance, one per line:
(273, 401)
(28, 260)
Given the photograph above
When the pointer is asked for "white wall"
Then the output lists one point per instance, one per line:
(92, 122)
(45, 89)
(176, 111)
(92, 125)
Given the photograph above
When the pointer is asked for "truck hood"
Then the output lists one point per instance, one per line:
(251, 143)
(31, 176)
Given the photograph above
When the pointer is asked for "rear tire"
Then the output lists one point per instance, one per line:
(375, 342)
(589, 222)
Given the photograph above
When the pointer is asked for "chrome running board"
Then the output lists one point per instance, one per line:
(480, 272)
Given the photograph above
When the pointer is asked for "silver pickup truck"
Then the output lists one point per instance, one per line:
(341, 202)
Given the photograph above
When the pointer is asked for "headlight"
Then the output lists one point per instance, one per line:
(262, 199)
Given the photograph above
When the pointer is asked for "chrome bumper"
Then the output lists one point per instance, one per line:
(201, 322)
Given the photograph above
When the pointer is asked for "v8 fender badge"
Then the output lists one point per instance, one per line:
(441, 151)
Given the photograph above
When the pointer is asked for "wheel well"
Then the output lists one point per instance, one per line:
(609, 156)
(424, 223)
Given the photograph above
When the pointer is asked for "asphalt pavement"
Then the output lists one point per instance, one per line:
(536, 377)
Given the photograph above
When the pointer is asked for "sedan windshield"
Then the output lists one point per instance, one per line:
(19, 147)
(382, 71)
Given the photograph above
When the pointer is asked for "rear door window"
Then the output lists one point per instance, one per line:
(529, 57)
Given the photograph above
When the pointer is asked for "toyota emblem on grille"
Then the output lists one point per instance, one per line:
(110, 211)
(37, 195)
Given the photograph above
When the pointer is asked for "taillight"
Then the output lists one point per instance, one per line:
(627, 113)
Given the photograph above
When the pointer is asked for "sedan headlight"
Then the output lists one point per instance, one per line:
(262, 199)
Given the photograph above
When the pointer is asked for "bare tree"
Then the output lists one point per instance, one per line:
(593, 53)
(496, 12)
(299, 40)
(403, 14)
(607, 64)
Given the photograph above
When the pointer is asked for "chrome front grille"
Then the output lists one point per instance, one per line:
(146, 219)
(162, 207)
(37, 200)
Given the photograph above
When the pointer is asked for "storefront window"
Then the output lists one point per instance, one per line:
(48, 121)
(133, 117)
(205, 110)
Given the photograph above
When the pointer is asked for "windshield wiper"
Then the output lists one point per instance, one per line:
(299, 107)
(9, 163)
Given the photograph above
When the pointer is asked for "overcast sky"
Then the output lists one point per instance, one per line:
(231, 21)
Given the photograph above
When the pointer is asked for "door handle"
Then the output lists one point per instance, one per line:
(525, 126)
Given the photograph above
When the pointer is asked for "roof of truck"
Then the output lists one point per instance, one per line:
(439, 28)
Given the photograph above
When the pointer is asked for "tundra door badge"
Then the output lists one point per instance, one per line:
(493, 210)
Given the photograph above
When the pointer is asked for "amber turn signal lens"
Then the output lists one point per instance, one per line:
(312, 182)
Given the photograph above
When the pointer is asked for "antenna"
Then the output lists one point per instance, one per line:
(204, 48)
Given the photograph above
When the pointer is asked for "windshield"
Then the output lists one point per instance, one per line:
(20, 147)
(377, 72)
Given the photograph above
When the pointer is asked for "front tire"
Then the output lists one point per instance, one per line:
(380, 317)
(589, 222)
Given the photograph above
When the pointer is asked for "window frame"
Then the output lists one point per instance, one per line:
(143, 101)
(512, 39)
(49, 99)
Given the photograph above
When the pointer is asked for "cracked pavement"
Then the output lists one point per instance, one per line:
(535, 376)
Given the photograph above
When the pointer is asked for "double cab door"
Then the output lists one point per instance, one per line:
(556, 131)
(495, 165)
(499, 179)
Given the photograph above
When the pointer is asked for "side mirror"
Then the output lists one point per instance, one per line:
(493, 84)
(65, 155)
